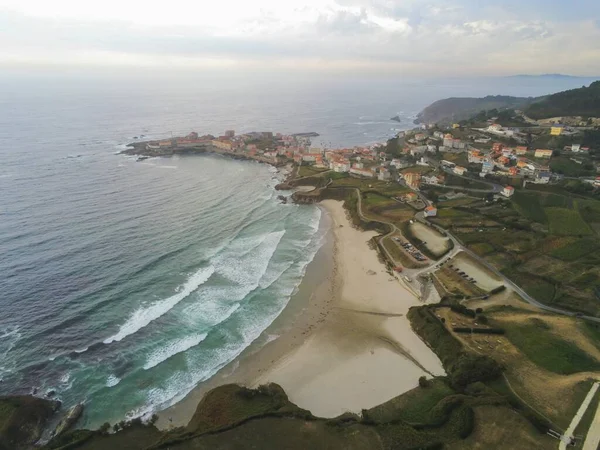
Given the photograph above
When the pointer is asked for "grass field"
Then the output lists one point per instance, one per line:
(307, 171)
(371, 199)
(549, 351)
(529, 206)
(482, 248)
(566, 222)
(414, 406)
(589, 210)
(576, 250)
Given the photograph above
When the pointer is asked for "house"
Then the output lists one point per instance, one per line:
(384, 174)
(494, 128)
(438, 135)
(542, 177)
(432, 179)
(503, 161)
(507, 151)
(341, 166)
(455, 125)
(543, 153)
(475, 157)
(521, 150)
(513, 171)
(362, 172)
(487, 167)
(222, 144)
(411, 197)
(508, 191)
(420, 150)
(556, 131)
(430, 211)
(420, 137)
(459, 170)
(413, 179)
(576, 148)
(497, 147)
(448, 140)
(522, 163)
(399, 164)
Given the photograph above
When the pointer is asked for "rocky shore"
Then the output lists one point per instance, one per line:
(141, 149)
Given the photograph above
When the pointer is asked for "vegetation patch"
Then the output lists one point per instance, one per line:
(566, 222)
(529, 206)
(548, 350)
(576, 249)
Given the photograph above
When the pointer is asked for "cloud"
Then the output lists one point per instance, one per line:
(443, 36)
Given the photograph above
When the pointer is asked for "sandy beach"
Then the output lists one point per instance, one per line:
(349, 346)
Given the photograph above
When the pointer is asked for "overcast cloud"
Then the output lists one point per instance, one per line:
(438, 37)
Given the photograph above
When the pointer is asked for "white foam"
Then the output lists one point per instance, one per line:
(112, 381)
(143, 316)
(173, 348)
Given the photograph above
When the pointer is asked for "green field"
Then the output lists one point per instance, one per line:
(528, 205)
(414, 406)
(548, 350)
(576, 250)
(566, 222)
(589, 210)
(375, 199)
(307, 171)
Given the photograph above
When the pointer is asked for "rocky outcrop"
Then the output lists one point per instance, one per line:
(23, 420)
(69, 420)
(396, 119)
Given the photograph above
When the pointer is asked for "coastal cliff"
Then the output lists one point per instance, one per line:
(23, 420)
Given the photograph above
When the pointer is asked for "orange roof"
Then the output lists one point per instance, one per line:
(430, 208)
(510, 188)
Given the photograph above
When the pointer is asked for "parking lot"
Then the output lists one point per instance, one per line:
(410, 249)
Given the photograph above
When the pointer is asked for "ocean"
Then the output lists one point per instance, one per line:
(124, 284)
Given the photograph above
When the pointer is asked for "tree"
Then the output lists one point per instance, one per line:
(116, 427)
(104, 428)
(424, 382)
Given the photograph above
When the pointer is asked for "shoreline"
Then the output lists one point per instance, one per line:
(344, 340)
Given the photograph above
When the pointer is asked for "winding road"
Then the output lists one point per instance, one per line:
(458, 247)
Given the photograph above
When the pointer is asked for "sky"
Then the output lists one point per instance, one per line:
(408, 37)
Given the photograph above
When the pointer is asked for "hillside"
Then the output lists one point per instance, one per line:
(455, 109)
(584, 102)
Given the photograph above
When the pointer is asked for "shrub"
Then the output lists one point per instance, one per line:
(104, 428)
(424, 382)
(471, 368)
(479, 310)
(497, 289)
(483, 319)
(467, 422)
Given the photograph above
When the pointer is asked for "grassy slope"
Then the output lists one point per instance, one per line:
(548, 350)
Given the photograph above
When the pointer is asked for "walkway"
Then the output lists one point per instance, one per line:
(568, 435)
(592, 441)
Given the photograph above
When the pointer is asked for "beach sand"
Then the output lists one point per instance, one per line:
(344, 340)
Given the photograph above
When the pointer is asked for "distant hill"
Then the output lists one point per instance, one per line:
(456, 109)
(584, 102)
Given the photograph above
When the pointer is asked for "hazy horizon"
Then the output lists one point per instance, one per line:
(410, 38)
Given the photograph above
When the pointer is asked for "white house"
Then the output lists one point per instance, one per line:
(362, 172)
(341, 167)
(384, 174)
(459, 170)
(420, 150)
(508, 191)
(430, 211)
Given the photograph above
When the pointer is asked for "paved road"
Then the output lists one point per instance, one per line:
(592, 441)
(458, 247)
(594, 428)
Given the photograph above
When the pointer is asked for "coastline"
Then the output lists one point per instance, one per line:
(344, 342)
